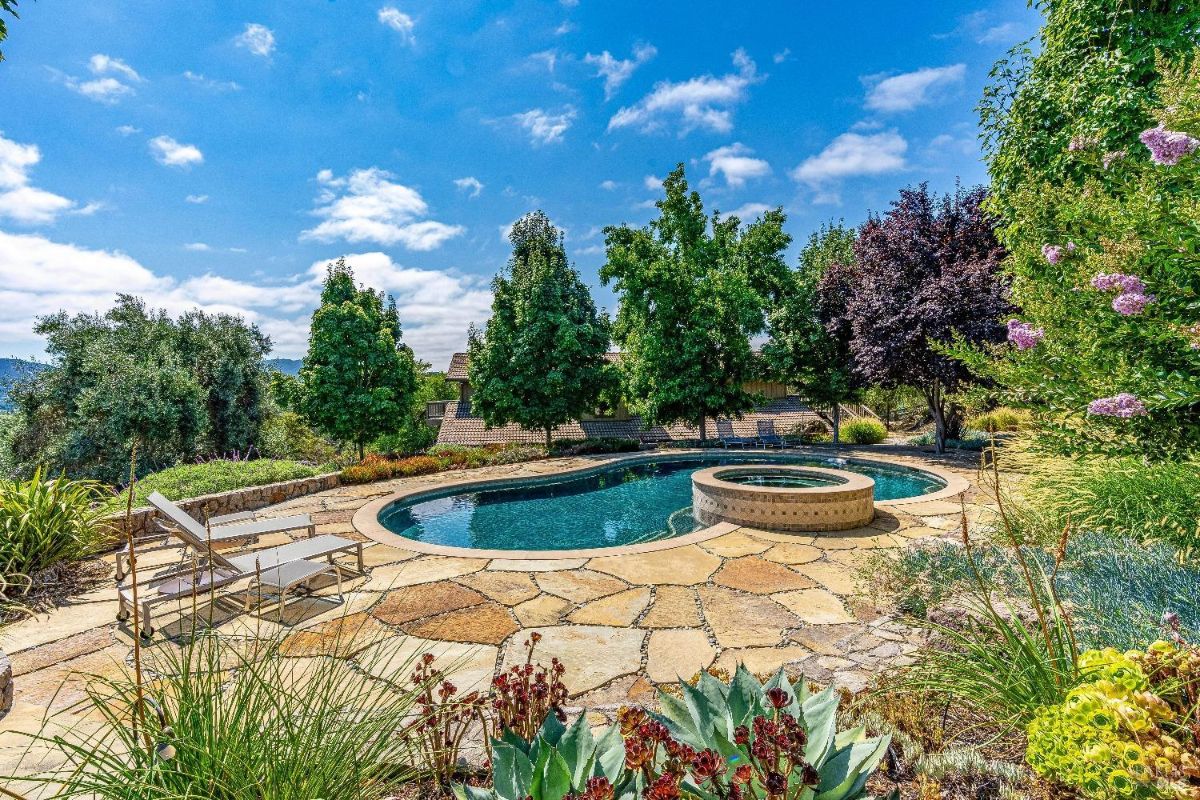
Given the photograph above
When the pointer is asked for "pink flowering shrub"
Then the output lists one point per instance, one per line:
(1168, 147)
(1123, 406)
(1052, 253)
(1128, 304)
(1023, 335)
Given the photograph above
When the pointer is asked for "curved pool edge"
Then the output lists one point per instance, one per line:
(366, 519)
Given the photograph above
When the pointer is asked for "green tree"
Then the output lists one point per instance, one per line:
(358, 376)
(9, 6)
(1092, 80)
(540, 360)
(693, 292)
(809, 345)
(181, 388)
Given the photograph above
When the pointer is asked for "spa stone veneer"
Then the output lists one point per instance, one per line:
(847, 502)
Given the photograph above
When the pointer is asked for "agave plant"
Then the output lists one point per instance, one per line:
(716, 741)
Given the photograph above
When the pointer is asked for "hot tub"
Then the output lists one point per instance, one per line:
(783, 498)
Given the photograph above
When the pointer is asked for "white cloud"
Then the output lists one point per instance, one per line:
(197, 247)
(565, 28)
(704, 102)
(544, 127)
(911, 89)
(110, 82)
(197, 198)
(748, 212)
(171, 153)
(211, 83)
(946, 142)
(568, 3)
(398, 21)
(652, 182)
(1000, 34)
(548, 57)
(616, 71)
(735, 163)
(367, 206)
(469, 184)
(128, 130)
(608, 186)
(854, 154)
(258, 39)
(19, 201)
(39, 276)
(782, 55)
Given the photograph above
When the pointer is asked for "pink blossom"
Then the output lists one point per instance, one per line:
(1123, 406)
(1070, 247)
(1023, 335)
(1117, 281)
(1082, 142)
(1130, 303)
(1167, 147)
(1052, 253)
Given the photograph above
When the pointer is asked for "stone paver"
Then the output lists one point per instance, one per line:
(761, 660)
(744, 620)
(735, 544)
(619, 609)
(509, 588)
(425, 600)
(683, 566)
(673, 607)
(757, 575)
(490, 623)
(816, 606)
(789, 553)
(340, 637)
(677, 654)
(543, 610)
(833, 576)
(423, 570)
(592, 654)
(579, 585)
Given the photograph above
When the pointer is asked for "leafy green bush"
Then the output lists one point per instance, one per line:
(1001, 420)
(776, 740)
(599, 446)
(971, 440)
(45, 521)
(194, 480)
(862, 431)
(286, 436)
(1128, 730)
(439, 458)
(240, 720)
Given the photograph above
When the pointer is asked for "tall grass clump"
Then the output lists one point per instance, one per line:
(44, 521)
(1001, 420)
(230, 719)
(862, 431)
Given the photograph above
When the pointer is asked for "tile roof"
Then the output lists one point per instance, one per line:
(460, 427)
(457, 371)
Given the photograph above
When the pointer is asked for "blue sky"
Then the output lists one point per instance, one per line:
(217, 155)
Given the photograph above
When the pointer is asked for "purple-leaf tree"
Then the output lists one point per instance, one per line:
(928, 273)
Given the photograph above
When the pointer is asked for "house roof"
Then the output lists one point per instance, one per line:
(457, 371)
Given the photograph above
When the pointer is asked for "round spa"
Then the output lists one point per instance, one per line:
(783, 498)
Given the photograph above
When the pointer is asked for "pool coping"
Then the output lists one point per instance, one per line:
(366, 519)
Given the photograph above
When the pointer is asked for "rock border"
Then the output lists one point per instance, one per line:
(6, 685)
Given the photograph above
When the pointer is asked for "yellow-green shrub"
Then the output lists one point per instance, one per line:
(1124, 732)
(862, 431)
(1001, 420)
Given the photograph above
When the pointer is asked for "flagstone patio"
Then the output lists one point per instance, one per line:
(620, 623)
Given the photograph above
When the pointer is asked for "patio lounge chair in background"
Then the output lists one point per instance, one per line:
(767, 435)
(727, 436)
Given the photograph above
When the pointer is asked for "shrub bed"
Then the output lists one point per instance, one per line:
(862, 431)
(600, 446)
(193, 480)
(440, 458)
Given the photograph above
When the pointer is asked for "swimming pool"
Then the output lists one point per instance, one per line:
(626, 504)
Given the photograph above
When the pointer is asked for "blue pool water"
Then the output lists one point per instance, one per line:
(628, 504)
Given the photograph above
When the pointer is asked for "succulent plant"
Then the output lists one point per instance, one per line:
(716, 741)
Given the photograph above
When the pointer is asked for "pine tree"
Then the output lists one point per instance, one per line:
(540, 360)
(358, 376)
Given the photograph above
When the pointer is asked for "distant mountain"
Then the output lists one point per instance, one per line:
(288, 366)
(13, 369)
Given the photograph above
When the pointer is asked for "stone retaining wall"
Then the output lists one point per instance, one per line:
(248, 499)
(6, 684)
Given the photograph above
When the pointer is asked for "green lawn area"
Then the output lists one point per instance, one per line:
(193, 480)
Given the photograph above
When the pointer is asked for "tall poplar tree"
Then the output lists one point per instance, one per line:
(694, 290)
(358, 376)
(540, 360)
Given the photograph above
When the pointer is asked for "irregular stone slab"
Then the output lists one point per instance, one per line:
(835, 542)
(627, 690)
(761, 661)
(734, 545)
(509, 588)
(36, 658)
(422, 570)
(472, 664)
(490, 623)
(744, 620)
(62, 685)
(307, 612)
(930, 508)
(829, 640)
(380, 554)
(682, 566)
(544, 610)
(425, 600)
(339, 638)
(58, 623)
(833, 576)
(674, 607)
(782, 538)
(757, 575)
(793, 553)
(675, 655)
(535, 564)
(592, 654)
(579, 586)
(816, 606)
(618, 609)
(919, 532)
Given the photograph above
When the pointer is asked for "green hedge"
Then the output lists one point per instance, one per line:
(862, 431)
(193, 480)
